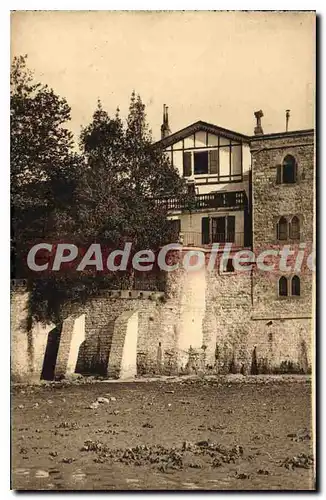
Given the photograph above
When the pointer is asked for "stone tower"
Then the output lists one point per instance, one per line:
(283, 217)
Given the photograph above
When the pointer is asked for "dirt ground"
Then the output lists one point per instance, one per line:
(178, 434)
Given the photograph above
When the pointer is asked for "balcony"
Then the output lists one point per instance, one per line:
(197, 239)
(231, 200)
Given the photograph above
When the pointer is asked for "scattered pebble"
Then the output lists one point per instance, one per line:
(242, 475)
(148, 425)
(93, 406)
(263, 472)
(41, 474)
(22, 472)
(103, 400)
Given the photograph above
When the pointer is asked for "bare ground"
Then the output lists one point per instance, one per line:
(218, 434)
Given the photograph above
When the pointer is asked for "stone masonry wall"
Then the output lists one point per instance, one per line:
(270, 202)
(282, 324)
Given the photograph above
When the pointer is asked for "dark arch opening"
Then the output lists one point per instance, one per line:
(295, 228)
(51, 353)
(282, 229)
(283, 287)
(289, 170)
(295, 286)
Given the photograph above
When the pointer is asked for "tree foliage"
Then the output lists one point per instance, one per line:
(104, 194)
(124, 176)
(44, 167)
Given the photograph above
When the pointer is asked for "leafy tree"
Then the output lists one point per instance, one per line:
(125, 176)
(44, 168)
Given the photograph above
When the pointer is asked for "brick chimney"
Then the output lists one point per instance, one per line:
(165, 128)
(258, 128)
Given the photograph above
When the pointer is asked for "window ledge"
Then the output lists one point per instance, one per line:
(286, 184)
(288, 297)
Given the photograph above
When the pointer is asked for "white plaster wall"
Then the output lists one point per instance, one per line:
(213, 188)
(19, 341)
(193, 305)
(78, 336)
(246, 158)
(129, 353)
(40, 338)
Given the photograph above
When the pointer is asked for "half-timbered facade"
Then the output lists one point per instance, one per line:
(216, 165)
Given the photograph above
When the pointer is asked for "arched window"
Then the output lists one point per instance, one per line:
(282, 229)
(289, 168)
(295, 286)
(283, 286)
(295, 228)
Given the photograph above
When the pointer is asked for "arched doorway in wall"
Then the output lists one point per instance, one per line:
(51, 353)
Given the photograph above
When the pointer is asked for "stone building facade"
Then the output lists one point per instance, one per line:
(253, 193)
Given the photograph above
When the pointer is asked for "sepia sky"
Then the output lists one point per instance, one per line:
(214, 66)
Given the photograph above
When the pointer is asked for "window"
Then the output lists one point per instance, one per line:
(287, 172)
(223, 229)
(282, 229)
(295, 286)
(210, 155)
(295, 228)
(201, 162)
(229, 266)
(283, 287)
(218, 229)
(286, 230)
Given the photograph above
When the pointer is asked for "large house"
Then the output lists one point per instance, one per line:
(216, 164)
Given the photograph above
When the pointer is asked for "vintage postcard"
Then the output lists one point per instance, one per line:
(163, 250)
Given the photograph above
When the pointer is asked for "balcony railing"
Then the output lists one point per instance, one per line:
(231, 199)
(197, 239)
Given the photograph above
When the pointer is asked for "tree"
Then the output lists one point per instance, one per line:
(125, 175)
(44, 168)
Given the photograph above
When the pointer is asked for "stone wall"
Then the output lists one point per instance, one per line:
(28, 342)
(283, 323)
(271, 201)
(282, 327)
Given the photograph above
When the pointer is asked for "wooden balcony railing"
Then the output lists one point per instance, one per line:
(231, 199)
(198, 239)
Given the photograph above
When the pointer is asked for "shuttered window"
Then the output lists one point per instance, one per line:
(187, 164)
(205, 230)
(213, 161)
(230, 225)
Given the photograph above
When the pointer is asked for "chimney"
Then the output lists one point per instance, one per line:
(165, 129)
(258, 128)
(287, 117)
